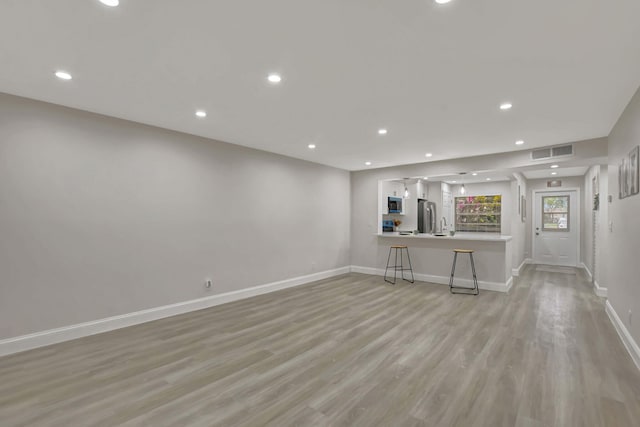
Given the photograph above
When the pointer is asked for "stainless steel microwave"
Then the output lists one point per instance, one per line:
(394, 204)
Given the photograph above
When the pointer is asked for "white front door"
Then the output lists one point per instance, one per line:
(556, 228)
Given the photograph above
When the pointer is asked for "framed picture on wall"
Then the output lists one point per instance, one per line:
(632, 172)
(622, 179)
(628, 174)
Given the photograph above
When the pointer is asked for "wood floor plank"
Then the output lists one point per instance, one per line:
(344, 351)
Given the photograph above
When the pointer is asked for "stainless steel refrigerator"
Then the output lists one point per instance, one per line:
(426, 216)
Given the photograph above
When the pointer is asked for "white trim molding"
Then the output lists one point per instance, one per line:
(66, 333)
(625, 336)
(586, 270)
(601, 291)
(441, 280)
(515, 272)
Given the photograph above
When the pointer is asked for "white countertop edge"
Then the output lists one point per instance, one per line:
(458, 236)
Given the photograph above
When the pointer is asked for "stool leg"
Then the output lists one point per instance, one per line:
(387, 268)
(453, 270)
(395, 267)
(410, 268)
(473, 271)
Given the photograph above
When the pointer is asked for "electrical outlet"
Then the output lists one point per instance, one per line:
(208, 284)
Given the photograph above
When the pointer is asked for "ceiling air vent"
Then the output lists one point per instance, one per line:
(547, 153)
(543, 153)
(565, 150)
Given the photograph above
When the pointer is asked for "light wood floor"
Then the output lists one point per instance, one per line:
(348, 351)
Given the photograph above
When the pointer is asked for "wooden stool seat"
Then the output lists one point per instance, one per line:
(399, 247)
(475, 290)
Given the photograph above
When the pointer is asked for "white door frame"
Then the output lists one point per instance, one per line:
(533, 219)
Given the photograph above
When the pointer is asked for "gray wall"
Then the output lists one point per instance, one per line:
(623, 281)
(100, 217)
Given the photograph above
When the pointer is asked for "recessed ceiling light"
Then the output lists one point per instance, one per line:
(428, 155)
(367, 163)
(453, 182)
(382, 131)
(506, 106)
(475, 174)
(554, 166)
(274, 78)
(311, 146)
(488, 179)
(111, 3)
(554, 173)
(63, 75)
(426, 177)
(442, 1)
(520, 142)
(201, 113)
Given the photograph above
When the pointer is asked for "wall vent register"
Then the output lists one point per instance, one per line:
(551, 152)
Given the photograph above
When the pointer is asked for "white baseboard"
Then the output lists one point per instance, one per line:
(509, 285)
(66, 333)
(442, 280)
(515, 272)
(601, 291)
(586, 270)
(624, 334)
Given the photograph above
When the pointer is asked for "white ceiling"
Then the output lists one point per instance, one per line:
(433, 75)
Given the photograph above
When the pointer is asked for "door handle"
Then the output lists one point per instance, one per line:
(537, 234)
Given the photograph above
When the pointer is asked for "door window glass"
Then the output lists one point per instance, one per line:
(555, 213)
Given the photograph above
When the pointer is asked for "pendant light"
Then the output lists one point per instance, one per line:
(406, 190)
(463, 190)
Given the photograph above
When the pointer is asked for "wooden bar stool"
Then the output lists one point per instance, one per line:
(469, 291)
(399, 267)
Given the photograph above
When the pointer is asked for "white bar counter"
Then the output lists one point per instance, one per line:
(432, 256)
(485, 237)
